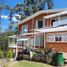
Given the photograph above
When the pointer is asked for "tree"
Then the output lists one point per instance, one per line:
(29, 7)
(50, 4)
(10, 17)
(32, 6)
(1, 7)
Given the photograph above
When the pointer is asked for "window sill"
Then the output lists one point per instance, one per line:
(57, 42)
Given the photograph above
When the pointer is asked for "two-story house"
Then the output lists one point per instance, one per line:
(43, 29)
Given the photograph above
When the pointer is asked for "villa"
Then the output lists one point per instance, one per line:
(41, 30)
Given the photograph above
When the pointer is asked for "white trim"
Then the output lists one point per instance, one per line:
(23, 28)
(13, 36)
(54, 15)
(36, 24)
(54, 29)
(28, 33)
(14, 46)
(38, 13)
(23, 39)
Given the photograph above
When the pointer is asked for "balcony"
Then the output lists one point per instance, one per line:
(61, 22)
(52, 29)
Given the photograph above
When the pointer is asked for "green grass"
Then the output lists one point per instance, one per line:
(26, 64)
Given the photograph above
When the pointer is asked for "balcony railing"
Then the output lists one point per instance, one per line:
(61, 22)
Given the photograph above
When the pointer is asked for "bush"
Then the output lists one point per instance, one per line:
(1, 54)
(9, 54)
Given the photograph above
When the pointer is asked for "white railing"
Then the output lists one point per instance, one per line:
(60, 22)
(12, 45)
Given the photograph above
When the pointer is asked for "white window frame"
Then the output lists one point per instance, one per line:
(25, 28)
(59, 34)
(63, 36)
(56, 19)
(36, 24)
(50, 39)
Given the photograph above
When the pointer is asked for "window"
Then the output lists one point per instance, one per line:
(58, 37)
(39, 24)
(64, 37)
(24, 28)
(39, 41)
(20, 43)
(15, 40)
(53, 22)
(51, 38)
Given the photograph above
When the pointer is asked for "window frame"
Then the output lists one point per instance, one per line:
(26, 27)
(63, 39)
(36, 26)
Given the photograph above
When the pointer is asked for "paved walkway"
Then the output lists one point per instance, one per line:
(2, 62)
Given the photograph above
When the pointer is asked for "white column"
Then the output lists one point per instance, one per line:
(16, 50)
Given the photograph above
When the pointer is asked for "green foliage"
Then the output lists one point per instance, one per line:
(32, 6)
(4, 40)
(1, 7)
(9, 54)
(1, 54)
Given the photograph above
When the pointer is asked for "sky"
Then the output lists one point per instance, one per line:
(58, 4)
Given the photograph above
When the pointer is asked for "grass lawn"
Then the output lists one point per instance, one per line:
(24, 63)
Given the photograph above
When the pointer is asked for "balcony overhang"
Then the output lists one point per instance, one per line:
(53, 29)
(54, 15)
(23, 39)
(27, 34)
(14, 46)
(13, 36)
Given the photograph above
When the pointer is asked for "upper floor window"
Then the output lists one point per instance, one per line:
(53, 22)
(24, 28)
(39, 24)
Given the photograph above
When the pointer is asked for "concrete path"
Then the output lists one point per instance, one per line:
(2, 62)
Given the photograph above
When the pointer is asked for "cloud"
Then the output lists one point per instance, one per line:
(17, 15)
(15, 20)
(4, 17)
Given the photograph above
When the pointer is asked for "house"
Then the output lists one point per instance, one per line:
(43, 29)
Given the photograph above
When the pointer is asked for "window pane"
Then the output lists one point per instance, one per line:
(40, 24)
(39, 41)
(64, 37)
(24, 28)
(50, 38)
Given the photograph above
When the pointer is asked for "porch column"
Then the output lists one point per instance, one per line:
(16, 51)
(33, 33)
(44, 40)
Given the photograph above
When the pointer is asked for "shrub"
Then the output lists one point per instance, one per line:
(1, 54)
(9, 54)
